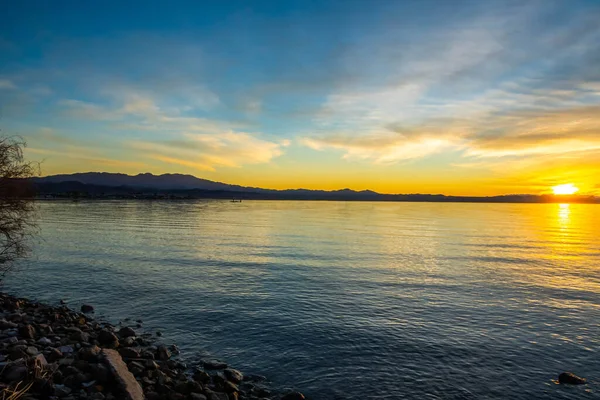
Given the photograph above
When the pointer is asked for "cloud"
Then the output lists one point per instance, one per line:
(210, 151)
(7, 84)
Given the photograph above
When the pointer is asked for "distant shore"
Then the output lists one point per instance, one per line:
(50, 351)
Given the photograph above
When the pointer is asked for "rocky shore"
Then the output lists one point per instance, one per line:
(49, 352)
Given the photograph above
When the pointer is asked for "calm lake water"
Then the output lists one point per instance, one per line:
(344, 300)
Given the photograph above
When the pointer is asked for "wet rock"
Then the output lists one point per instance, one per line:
(128, 352)
(210, 395)
(197, 396)
(108, 339)
(214, 364)
(260, 392)
(201, 376)
(27, 331)
(570, 378)
(86, 308)
(128, 341)
(32, 351)
(162, 353)
(126, 332)
(233, 375)
(293, 396)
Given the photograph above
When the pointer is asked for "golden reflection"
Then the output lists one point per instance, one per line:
(564, 213)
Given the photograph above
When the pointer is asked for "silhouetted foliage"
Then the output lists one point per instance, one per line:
(16, 206)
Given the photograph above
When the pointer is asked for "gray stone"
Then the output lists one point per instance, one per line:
(130, 387)
(233, 375)
(162, 353)
(197, 396)
(44, 341)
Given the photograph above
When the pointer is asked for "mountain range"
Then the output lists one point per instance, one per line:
(146, 185)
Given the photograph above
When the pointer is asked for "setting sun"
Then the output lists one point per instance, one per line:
(568, 188)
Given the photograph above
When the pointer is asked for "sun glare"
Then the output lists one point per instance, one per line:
(567, 188)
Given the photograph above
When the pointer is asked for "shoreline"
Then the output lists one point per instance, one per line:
(54, 352)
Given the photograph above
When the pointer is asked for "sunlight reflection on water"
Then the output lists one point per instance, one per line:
(345, 300)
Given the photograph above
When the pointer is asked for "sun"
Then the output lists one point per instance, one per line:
(567, 188)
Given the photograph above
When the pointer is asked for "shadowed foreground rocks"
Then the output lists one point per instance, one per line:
(56, 353)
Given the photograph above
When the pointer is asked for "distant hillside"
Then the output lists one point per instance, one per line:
(177, 186)
(147, 180)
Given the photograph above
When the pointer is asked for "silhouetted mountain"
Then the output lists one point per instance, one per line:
(147, 180)
(108, 185)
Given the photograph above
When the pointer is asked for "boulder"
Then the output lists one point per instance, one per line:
(570, 378)
(162, 353)
(86, 308)
(233, 375)
(130, 387)
(108, 339)
(126, 332)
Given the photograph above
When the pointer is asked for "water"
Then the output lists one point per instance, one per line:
(344, 300)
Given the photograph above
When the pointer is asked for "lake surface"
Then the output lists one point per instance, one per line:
(344, 300)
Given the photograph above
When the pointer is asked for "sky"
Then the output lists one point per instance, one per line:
(446, 96)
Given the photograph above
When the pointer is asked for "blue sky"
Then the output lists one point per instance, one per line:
(464, 97)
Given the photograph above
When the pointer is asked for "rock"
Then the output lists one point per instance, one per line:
(570, 378)
(128, 341)
(44, 341)
(293, 396)
(53, 355)
(152, 365)
(254, 378)
(126, 332)
(197, 396)
(61, 390)
(27, 331)
(89, 353)
(80, 336)
(216, 395)
(4, 324)
(32, 351)
(15, 373)
(130, 387)
(86, 308)
(162, 353)
(261, 392)
(214, 364)
(128, 352)
(201, 376)
(66, 349)
(108, 339)
(40, 360)
(233, 375)
(229, 387)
